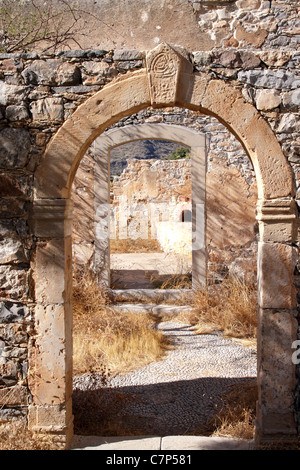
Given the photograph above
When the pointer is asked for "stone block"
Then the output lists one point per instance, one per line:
(11, 186)
(10, 66)
(17, 113)
(51, 72)
(202, 58)
(275, 427)
(229, 58)
(280, 80)
(52, 218)
(291, 100)
(127, 55)
(167, 68)
(11, 94)
(50, 356)
(267, 99)
(276, 264)
(13, 396)
(278, 231)
(277, 220)
(68, 74)
(51, 418)
(250, 38)
(11, 245)
(275, 58)
(97, 72)
(52, 268)
(236, 59)
(12, 312)
(13, 282)
(14, 333)
(15, 145)
(8, 374)
(289, 123)
(276, 373)
(249, 59)
(48, 109)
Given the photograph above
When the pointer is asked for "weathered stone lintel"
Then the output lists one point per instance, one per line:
(278, 220)
(277, 209)
(52, 218)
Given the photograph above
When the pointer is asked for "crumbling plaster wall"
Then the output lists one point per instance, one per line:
(251, 44)
(199, 25)
(146, 184)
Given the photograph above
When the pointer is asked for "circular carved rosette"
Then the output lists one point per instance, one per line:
(163, 65)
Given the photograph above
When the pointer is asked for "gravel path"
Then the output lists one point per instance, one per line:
(176, 395)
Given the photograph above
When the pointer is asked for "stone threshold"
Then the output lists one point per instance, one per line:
(153, 309)
(160, 443)
(149, 295)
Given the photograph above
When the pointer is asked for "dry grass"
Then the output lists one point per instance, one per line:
(106, 340)
(135, 246)
(14, 435)
(237, 416)
(174, 281)
(230, 307)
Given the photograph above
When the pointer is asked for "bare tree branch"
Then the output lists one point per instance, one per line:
(27, 23)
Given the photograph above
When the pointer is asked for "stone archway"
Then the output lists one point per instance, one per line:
(116, 137)
(168, 80)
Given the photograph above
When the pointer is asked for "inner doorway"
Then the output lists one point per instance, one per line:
(150, 243)
(163, 211)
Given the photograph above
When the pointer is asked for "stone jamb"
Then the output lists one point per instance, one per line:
(51, 357)
(116, 137)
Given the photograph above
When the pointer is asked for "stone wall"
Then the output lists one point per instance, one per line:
(251, 45)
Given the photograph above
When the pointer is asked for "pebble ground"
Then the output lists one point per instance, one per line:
(177, 395)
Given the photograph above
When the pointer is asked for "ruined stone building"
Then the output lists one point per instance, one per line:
(221, 77)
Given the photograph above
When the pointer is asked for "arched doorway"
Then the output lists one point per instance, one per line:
(117, 137)
(168, 80)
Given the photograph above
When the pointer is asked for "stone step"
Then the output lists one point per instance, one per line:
(149, 295)
(153, 309)
(181, 443)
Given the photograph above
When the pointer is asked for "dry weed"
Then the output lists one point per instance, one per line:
(237, 416)
(106, 340)
(139, 245)
(175, 281)
(230, 307)
(15, 435)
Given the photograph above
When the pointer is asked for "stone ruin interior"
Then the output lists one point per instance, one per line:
(146, 178)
